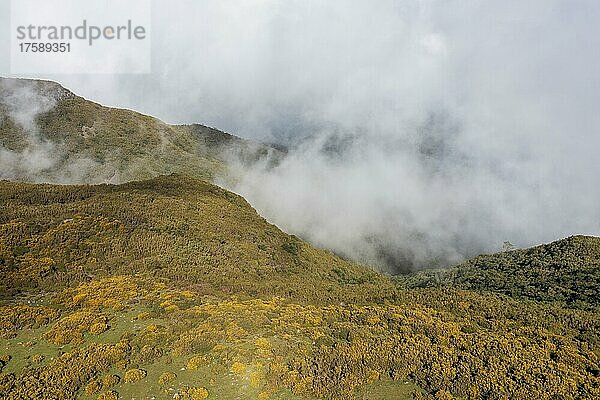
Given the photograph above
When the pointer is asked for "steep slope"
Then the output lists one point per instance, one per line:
(48, 134)
(189, 231)
(566, 271)
(174, 288)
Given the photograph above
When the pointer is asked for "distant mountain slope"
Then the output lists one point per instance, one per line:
(186, 230)
(49, 134)
(566, 271)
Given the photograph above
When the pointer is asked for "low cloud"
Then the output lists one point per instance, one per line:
(27, 153)
(420, 133)
(22, 103)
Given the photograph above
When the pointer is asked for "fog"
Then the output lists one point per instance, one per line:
(419, 132)
(23, 104)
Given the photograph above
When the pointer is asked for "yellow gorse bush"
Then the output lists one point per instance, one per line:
(134, 375)
(118, 285)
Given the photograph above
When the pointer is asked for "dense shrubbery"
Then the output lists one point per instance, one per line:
(330, 350)
(211, 289)
(72, 327)
(566, 271)
(209, 240)
(458, 342)
(134, 375)
(166, 377)
(109, 395)
(192, 393)
(13, 318)
(65, 376)
(466, 344)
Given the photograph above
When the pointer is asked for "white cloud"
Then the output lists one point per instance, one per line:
(471, 123)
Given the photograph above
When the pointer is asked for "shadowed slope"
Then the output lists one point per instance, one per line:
(566, 271)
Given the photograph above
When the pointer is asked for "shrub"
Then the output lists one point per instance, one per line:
(134, 375)
(93, 387)
(238, 368)
(110, 380)
(13, 318)
(197, 393)
(110, 395)
(195, 362)
(98, 328)
(4, 359)
(166, 377)
(37, 358)
(72, 327)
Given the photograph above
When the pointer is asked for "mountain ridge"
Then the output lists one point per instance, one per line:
(227, 237)
(48, 133)
(157, 283)
(566, 270)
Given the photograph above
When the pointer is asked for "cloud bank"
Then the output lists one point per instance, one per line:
(22, 105)
(420, 132)
(27, 154)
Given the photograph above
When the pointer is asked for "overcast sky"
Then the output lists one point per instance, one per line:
(257, 67)
(472, 122)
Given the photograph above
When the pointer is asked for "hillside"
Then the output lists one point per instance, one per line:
(188, 231)
(175, 288)
(49, 134)
(565, 271)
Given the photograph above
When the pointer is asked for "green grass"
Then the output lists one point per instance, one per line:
(388, 390)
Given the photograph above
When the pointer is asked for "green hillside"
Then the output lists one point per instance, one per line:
(565, 271)
(50, 134)
(175, 288)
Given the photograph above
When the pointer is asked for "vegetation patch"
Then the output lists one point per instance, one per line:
(175, 288)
